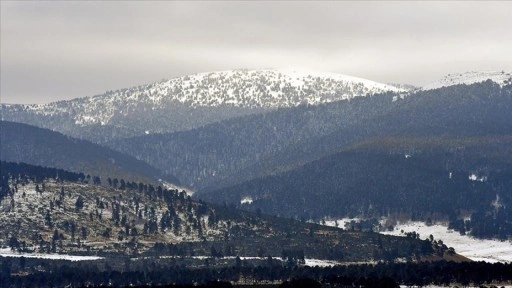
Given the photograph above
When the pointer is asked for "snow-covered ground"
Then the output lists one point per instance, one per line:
(468, 78)
(321, 263)
(7, 252)
(474, 249)
(340, 223)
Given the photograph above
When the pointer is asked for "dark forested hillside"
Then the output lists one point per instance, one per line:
(450, 178)
(443, 151)
(206, 156)
(456, 111)
(33, 145)
(230, 152)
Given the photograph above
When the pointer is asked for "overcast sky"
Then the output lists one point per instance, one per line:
(61, 50)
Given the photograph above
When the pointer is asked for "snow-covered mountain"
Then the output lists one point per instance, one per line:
(191, 101)
(235, 88)
(468, 78)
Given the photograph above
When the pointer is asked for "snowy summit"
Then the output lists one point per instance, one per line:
(266, 88)
(468, 78)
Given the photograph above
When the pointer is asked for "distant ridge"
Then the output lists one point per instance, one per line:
(36, 146)
(267, 88)
(468, 78)
(191, 101)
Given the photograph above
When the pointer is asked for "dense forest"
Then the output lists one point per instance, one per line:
(204, 156)
(434, 158)
(155, 273)
(374, 185)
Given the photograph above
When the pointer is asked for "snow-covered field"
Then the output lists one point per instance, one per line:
(473, 248)
(7, 252)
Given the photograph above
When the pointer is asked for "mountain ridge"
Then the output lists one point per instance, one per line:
(39, 146)
(191, 101)
(470, 77)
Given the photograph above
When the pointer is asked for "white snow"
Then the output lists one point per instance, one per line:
(470, 78)
(246, 200)
(475, 249)
(321, 263)
(341, 223)
(171, 186)
(7, 252)
(474, 177)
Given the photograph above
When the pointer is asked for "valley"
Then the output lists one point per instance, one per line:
(257, 187)
(255, 144)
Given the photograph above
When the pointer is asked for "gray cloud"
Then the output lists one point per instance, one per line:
(61, 50)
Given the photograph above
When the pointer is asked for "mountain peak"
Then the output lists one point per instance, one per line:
(268, 88)
(500, 77)
(247, 89)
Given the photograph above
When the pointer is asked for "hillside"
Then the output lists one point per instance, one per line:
(204, 157)
(46, 215)
(33, 145)
(399, 162)
(191, 101)
(233, 151)
(457, 111)
(459, 180)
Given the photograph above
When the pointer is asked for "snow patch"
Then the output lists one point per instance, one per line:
(246, 200)
(321, 263)
(341, 223)
(7, 252)
(474, 177)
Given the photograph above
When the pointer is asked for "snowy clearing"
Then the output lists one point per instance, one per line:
(7, 252)
(473, 248)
